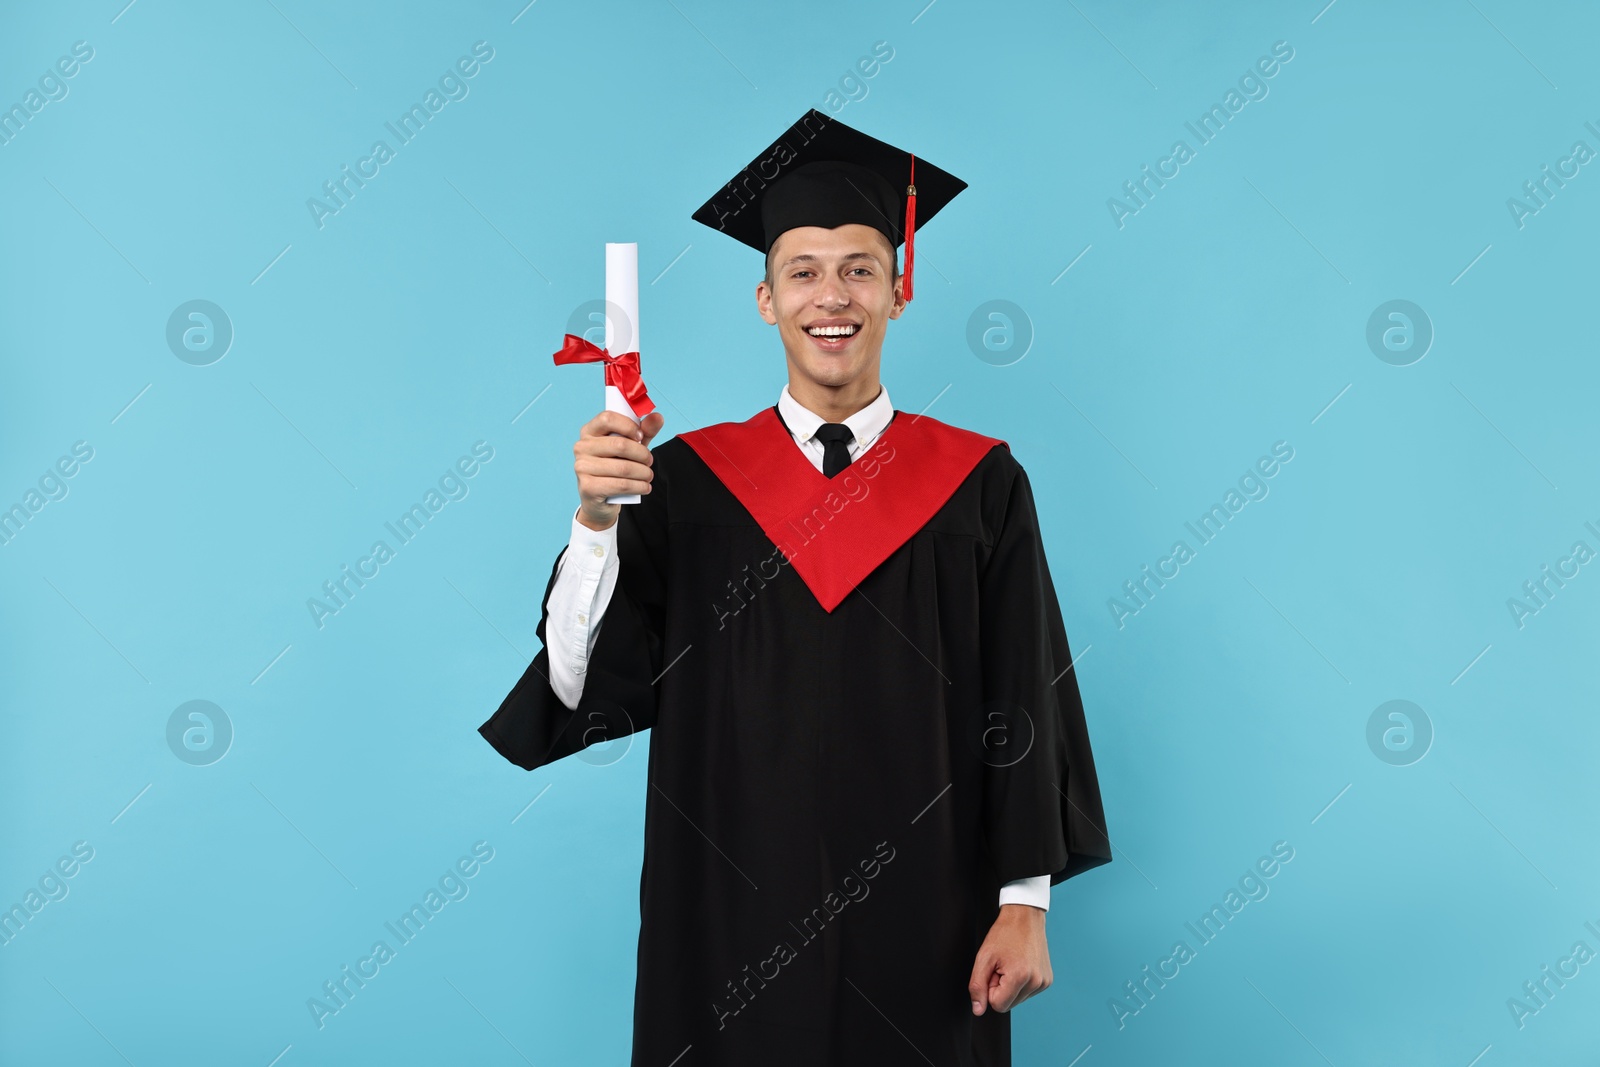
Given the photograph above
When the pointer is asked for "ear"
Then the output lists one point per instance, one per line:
(764, 303)
(898, 303)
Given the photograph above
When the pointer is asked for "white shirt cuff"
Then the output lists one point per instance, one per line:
(1031, 891)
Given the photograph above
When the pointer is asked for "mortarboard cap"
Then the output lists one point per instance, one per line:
(823, 173)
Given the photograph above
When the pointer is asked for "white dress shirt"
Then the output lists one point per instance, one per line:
(588, 575)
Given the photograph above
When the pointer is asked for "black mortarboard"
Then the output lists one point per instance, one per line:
(823, 173)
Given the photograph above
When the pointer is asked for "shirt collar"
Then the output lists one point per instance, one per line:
(865, 424)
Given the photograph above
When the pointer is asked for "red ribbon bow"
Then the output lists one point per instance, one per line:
(621, 371)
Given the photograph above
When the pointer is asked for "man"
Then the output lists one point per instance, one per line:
(869, 760)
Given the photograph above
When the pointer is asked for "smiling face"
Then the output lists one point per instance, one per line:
(832, 294)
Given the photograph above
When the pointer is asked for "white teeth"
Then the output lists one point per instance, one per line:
(831, 331)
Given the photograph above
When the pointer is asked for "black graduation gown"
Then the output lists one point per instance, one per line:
(836, 796)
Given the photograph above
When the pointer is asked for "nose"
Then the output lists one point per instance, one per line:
(831, 293)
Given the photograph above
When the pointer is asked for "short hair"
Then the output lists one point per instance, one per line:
(894, 262)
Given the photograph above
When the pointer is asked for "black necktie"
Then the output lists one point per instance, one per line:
(836, 438)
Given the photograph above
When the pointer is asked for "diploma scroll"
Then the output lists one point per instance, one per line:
(622, 326)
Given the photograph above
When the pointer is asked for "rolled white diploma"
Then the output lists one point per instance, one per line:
(622, 326)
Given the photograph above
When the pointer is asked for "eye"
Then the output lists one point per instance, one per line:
(863, 270)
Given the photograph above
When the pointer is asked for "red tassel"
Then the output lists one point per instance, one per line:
(911, 227)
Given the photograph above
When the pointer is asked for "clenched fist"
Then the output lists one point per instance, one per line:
(612, 457)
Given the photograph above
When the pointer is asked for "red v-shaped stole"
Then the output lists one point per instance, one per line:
(836, 531)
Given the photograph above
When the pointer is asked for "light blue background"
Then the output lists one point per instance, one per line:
(1228, 314)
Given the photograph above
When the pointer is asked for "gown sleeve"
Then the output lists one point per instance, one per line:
(1042, 811)
(532, 727)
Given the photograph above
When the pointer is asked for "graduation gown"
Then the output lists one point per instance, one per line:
(863, 723)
